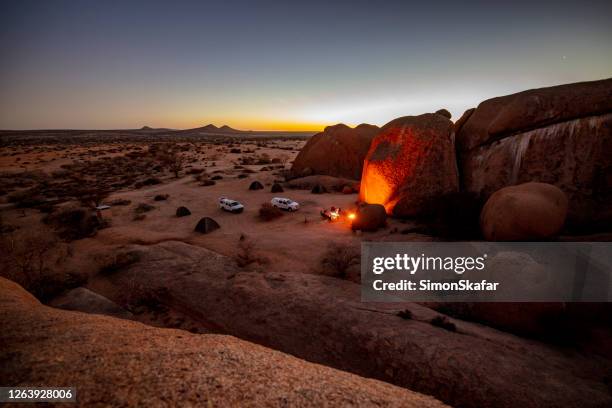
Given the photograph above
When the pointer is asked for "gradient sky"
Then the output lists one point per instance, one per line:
(292, 65)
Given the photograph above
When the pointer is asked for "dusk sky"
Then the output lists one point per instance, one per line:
(283, 65)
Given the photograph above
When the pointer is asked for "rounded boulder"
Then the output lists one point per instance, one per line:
(369, 217)
(337, 151)
(411, 163)
(529, 211)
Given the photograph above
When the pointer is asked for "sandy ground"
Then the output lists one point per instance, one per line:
(292, 243)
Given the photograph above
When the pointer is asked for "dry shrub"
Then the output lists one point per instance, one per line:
(92, 196)
(73, 223)
(405, 314)
(143, 208)
(28, 258)
(443, 322)
(120, 202)
(27, 198)
(195, 171)
(247, 254)
(339, 258)
(267, 212)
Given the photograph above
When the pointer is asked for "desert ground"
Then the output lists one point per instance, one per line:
(108, 223)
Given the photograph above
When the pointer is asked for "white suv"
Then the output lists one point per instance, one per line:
(232, 206)
(285, 204)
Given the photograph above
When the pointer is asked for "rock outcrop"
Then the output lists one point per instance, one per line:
(411, 163)
(337, 151)
(560, 135)
(369, 217)
(84, 300)
(330, 183)
(526, 212)
(445, 113)
(115, 362)
(323, 320)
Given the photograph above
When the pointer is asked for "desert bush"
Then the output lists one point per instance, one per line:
(263, 159)
(120, 201)
(73, 223)
(405, 314)
(247, 254)
(175, 162)
(267, 212)
(161, 197)
(27, 198)
(195, 171)
(143, 208)
(92, 196)
(443, 322)
(339, 258)
(151, 181)
(28, 257)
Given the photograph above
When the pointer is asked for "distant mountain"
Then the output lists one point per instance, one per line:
(213, 129)
(228, 129)
(150, 129)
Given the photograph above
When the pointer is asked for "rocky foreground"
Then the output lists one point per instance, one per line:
(322, 319)
(115, 362)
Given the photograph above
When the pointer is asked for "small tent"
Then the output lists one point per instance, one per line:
(206, 225)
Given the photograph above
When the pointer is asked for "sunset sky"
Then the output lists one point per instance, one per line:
(286, 65)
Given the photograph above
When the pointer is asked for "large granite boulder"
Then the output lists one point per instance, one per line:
(123, 363)
(337, 151)
(322, 319)
(410, 164)
(560, 135)
(530, 211)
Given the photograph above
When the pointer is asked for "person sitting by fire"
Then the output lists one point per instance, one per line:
(332, 214)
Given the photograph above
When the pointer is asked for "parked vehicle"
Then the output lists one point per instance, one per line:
(229, 205)
(285, 204)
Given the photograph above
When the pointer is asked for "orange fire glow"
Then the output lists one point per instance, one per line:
(351, 216)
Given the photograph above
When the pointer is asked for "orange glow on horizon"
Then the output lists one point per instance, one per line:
(261, 125)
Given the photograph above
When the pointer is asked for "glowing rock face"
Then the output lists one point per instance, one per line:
(411, 162)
